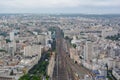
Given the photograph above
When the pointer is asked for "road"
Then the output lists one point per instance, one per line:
(65, 68)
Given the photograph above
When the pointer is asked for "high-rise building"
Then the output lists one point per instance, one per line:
(109, 32)
(12, 36)
(88, 51)
(32, 50)
(11, 49)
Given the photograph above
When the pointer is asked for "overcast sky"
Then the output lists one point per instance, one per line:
(60, 6)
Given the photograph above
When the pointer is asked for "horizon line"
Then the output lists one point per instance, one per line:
(64, 13)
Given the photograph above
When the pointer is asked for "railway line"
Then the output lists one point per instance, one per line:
(65, 68)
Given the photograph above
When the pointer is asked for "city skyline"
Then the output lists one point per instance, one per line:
(59, 47)
(61, 6)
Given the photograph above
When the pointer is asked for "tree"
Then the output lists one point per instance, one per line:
(24, 70)
(106, 65)
(12, 72)
(25, 77)
(67, 38)
(8, 40)
(35, 77)
(74, 45)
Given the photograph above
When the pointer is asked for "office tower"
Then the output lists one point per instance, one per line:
(12, 36)
(12, 44)
(11, 49)
(88, 51)
(32, 50)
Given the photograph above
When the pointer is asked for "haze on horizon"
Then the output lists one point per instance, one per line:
(60, 6)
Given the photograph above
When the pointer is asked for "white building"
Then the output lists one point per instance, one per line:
(116, 73)
(109, 32)
(88, 51)
(12, 48)
(12, 36)
(32, 50)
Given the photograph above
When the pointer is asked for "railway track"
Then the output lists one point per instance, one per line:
(65, 68)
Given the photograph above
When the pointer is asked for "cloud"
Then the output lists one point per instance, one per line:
(40, 3)
(56, 3)
(102, 3)
(16, 5)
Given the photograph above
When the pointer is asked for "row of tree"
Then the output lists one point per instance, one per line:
(114, 38)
